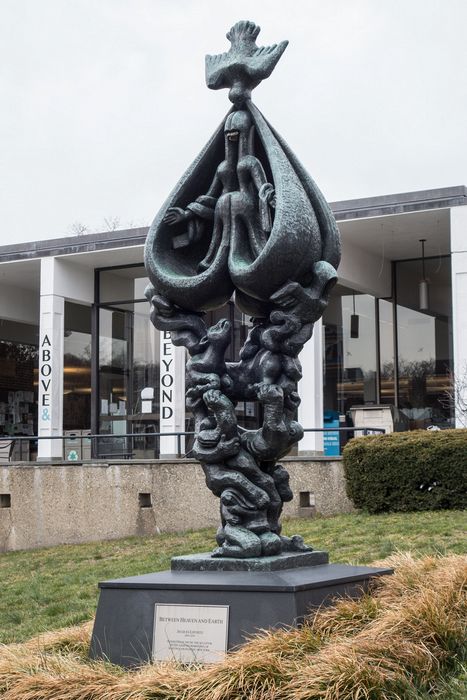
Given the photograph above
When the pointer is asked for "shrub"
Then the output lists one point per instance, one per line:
(419, 470)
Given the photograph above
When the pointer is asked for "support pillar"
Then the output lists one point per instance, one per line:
(459, 306)
(310, 389)
(51, 346)
(171, 395)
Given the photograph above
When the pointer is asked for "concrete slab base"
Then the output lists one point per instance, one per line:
(124, 626)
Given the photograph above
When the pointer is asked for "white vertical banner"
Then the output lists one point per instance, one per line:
(50, 399)
(171, 395)
(310, 389)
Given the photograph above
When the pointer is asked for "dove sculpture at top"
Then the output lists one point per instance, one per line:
(244, 65)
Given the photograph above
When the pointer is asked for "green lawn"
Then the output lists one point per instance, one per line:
(55, 587)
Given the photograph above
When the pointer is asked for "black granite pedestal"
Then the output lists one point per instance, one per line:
(258, 599)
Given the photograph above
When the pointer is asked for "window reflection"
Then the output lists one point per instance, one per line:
(18, 385)
(128, 364)
(424, 343)
(122, 284)
(115, 330)
(77, 368)
(386, 344)
(350, 351)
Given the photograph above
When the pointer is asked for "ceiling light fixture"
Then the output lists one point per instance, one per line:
(354, 321)
(423, 300)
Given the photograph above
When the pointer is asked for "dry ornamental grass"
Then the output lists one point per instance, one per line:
(397, 643)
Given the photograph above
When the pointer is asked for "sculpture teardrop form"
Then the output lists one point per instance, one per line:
(245, 218)
(260, 222)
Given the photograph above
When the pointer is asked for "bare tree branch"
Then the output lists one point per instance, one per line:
(455, 396)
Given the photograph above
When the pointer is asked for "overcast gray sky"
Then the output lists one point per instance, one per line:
(104, 103)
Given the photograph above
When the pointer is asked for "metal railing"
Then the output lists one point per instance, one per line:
(347, 429)
(105, 446)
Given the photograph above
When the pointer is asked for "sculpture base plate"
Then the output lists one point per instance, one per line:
(279, 562)
(124, 626)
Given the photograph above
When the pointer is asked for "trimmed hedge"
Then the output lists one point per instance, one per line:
(419, 470)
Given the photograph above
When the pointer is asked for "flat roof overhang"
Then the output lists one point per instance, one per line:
(394, 222)
(400, 203)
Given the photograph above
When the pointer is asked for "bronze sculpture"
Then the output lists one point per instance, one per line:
(245, 219)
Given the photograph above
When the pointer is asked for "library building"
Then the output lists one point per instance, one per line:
(79, 356)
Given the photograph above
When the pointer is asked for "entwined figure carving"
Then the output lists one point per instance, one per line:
(247, 219)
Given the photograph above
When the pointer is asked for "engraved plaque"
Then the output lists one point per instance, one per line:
(190, 633)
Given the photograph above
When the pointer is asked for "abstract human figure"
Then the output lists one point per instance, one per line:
(246, 218)
(238, 201)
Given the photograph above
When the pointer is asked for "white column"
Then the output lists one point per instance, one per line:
(51, 345)
(310, 389)
(171, 395)
(459, 308)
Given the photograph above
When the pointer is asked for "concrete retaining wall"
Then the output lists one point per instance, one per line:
(44, 505)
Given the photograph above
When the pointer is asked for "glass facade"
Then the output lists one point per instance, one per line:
(376, 351)
(389, 351)
(18, 384)
(424, 342)
(77, 368)
(128, 363)
(127, 352)
(350, 358)
(386, 351)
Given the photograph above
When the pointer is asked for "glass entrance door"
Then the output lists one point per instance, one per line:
(115, 353)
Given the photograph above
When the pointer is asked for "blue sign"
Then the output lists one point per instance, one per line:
(331, 438)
